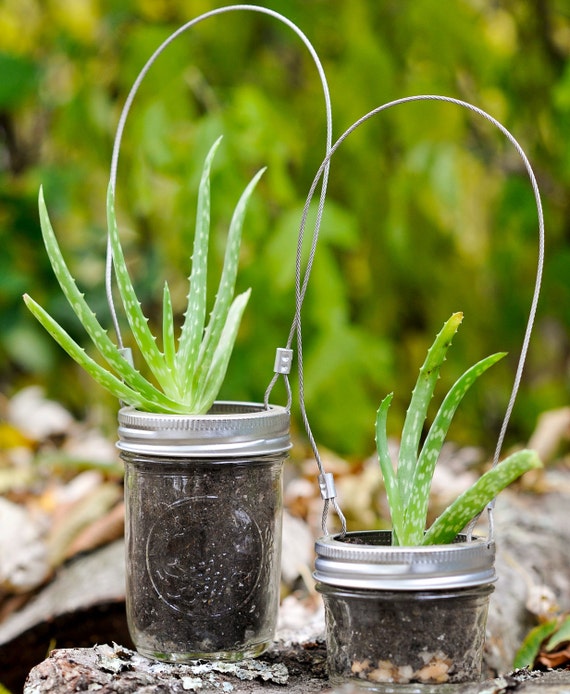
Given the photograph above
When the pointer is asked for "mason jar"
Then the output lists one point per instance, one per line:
(203, 529)
(404, 619)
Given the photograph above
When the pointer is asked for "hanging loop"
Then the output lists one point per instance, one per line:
(301, 285)
(121, 127)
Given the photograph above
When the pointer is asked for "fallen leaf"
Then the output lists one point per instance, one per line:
(81, 514)
(102, 531)
(555, 659)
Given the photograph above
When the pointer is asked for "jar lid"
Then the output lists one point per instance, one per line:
(229, 429)
(367, 560)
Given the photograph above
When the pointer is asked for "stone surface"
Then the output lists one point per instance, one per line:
(297, 670)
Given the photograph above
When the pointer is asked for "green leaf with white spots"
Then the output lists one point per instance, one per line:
(144, 397)
(190, 378)
(226, 286)
(195, 316)
(213, 378)
(446, 527)
(168, 341)
(137, 320)
(76, 300)
(417, 410)
(387, 468)
(417, 508)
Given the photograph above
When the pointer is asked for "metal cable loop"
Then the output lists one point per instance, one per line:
(301, 288)
(125, 112)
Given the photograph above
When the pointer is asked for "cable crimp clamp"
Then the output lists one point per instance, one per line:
(283, 360)
(327, 487)
(127, 354)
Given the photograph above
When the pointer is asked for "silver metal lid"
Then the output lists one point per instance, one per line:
(229, 429)
(367, 560)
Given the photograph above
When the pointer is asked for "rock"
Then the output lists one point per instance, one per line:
(533, 561)
(23, 557)
(83, 605)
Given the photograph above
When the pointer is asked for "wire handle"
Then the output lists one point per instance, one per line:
(282, 366)
(325, 479)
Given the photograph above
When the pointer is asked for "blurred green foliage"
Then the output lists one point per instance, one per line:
(429, 211)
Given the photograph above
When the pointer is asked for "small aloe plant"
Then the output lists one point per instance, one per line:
(408, 486)
(189, 376)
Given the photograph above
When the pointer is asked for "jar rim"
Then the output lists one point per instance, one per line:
(366, 559)
(230, 429)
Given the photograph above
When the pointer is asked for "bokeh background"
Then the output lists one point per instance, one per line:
(429, 211)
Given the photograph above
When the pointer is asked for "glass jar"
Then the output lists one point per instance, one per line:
(402, 619)
(203, 530)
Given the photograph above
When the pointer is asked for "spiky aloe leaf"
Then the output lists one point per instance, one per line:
(76, 300)
(227, 282)
(446, 527)
(417, 410)
(195, 316)
(168, 342)
(416, 510)
(137, 320)
(170, 368)
(144, 397)
(213, 378)
(390, 479)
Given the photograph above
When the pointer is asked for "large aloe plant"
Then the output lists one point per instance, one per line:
(408, 485)
(188, 376)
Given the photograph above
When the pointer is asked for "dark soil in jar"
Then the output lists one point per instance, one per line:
(203, 543)
(430, 637)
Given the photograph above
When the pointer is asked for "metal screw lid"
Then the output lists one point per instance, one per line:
(229, 429)
(366, 560)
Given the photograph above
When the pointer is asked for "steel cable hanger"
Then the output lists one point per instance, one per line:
(283, 358)
(326, 481)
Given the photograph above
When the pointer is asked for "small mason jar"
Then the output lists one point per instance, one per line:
(203, 529)
(404, 619)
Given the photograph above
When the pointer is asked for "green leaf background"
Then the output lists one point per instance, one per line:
(430, 211)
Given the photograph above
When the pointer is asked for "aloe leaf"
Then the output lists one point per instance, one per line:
(419, 402)
(213, 379)
(530, 647)
(137, 320)
(416, 510)
(144, 397)
(96, 332)
(445, 528)
(168, 342)
(195, 316)
(227, 281)
(390, 481)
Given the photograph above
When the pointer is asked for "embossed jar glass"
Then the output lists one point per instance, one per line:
(404, 620)
(203, 529)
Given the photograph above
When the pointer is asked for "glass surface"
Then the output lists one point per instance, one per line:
(404, 641)
(203, 544)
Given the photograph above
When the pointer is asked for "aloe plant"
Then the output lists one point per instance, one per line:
(408, 484)
(188, 377)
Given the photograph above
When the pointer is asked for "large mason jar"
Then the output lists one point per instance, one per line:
(203, 529)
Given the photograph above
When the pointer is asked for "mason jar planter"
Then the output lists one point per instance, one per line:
(404, 619)
(203, 529)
